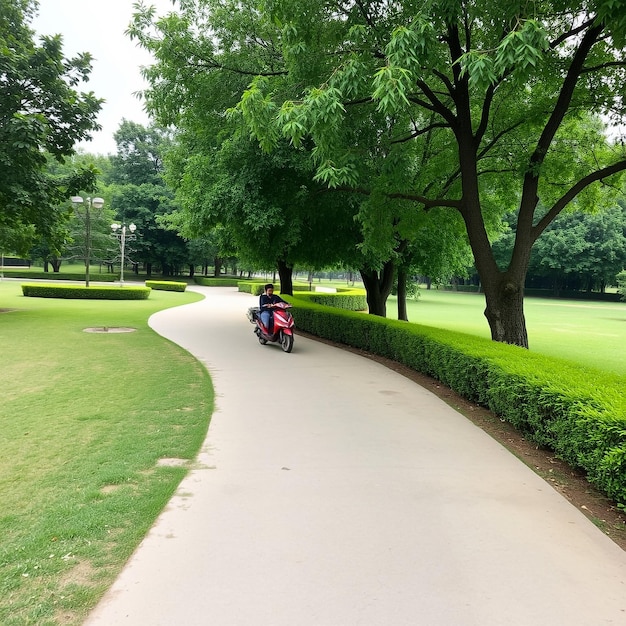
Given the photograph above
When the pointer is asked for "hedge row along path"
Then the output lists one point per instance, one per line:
(333, 491)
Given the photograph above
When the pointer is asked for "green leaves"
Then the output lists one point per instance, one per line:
(325, 107)
(408, 52)
(258, 111)
(40, 111)
(612, 13)
(519, 52)
(292, 122)
(391, 85)
(409, 47)
(521, 49)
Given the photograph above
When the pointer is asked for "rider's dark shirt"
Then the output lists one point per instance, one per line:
(265, 299)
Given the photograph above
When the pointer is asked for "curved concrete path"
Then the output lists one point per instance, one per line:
(332, 491)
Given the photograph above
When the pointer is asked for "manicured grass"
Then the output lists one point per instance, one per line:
(84, 420)
(590, 333)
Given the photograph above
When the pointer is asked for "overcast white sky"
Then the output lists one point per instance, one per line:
(97, 26)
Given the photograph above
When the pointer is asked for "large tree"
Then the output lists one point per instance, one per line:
(42, 113)
(274, 210)
(582, 251)
(139, 194)
(271, 211)
(499, 87)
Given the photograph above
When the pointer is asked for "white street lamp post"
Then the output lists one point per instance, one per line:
(122, 236)
(96, 203)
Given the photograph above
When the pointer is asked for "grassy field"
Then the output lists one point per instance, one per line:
(591, 333)
(85, 419)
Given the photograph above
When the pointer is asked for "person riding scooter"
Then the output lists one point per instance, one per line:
(267, 301)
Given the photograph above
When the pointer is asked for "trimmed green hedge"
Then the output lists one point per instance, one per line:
(621, 285)
(36, 275)
(44, 290)
(216, 282)
(345, 298)
(550, 294)
(166, 285)
(348, 299)
(577, 412)
(251, 286)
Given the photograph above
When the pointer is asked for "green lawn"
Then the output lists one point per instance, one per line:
(591, 333)
(84, 420)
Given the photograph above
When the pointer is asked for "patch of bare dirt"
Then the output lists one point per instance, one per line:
(568, 481)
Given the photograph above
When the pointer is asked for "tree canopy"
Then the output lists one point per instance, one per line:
(139, 194)
(41, 112)
(270, 204)
(497, 93)
(475, 108)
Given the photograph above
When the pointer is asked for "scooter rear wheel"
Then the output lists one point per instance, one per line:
(286, 342)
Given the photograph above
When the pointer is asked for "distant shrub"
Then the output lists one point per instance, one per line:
(251, 286)
(46, 290)
(348, 299)
(166, 285)
(621, 284)
(39, 275)
(205, 281)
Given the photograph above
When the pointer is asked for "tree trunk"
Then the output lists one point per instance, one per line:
(217, 266)
(56, 264)
(285, 274)
(402, 314)
(505, 311)
(378, 287)
(192, 270)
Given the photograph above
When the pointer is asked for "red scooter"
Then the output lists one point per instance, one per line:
(281, 329)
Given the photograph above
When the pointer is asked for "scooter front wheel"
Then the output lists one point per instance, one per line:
(262, 341)
(286, 342)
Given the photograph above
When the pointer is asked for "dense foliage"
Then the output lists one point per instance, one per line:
(268, 208)
(472, 107)
(42, 113)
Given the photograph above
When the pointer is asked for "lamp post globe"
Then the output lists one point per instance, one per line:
(119, 230)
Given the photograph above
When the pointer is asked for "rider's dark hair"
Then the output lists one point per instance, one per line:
(269, 286)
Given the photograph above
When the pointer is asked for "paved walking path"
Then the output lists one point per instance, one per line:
(332, 491)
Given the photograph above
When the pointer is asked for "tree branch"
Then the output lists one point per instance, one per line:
(603, 66)
(429, 203)
(495, 140)
(220, 66)
(420, 132)
(484, 118)
(571, 33)
(565, 95)
(437, 106)
(567, 197)
(445, 80)
(356, 102)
